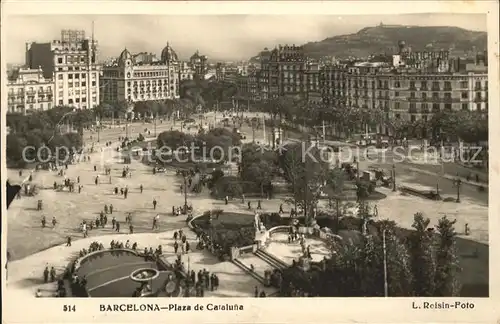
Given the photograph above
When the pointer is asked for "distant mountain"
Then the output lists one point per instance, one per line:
(385, 38)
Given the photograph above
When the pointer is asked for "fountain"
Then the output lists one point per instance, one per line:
(145, 276)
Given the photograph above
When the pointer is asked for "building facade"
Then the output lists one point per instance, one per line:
(28, 91)
(199, 64)
(408, 94)
(72, 62)
(132, 81)
(287, 68)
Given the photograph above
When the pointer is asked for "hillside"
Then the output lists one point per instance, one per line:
(385, 38)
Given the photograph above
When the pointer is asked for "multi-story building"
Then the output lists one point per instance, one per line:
(403, 93)
(28, 90)
(263, 75)
(199, 64)
(312, 82)
(287, 67)
(72, 62)
(186, 72)
(128, 80)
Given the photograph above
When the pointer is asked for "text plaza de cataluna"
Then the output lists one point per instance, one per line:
(115, 214)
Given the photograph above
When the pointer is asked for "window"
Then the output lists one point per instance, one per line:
(84, 83)
(478, 95)
(396, 94)
(412, 94)
(397, 84)
(59, 60)
(60, 102)
(413, 118)
(465, 106)
(59, 77)
(447, 95)
(435, 107)
(435, 85)
(435, 95)
(412, 84)
(84, 99)
(93, 83)
(447, 107)
(70, 76)
(60, 94)
(423, 85)
(424, 96)
(70, 101)
(396, 105)
(447, 85)
(478, 106)
(465, 95)
(478, 85)
(77, 100)
(463, 84)
(70, 84)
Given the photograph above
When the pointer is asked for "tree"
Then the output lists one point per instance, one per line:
(422, 256)
(399, 273)
(334, 189)
(15, 147)
(174, 139)
(260, 173)
(305, 169)
(447, 268)
(41, 129)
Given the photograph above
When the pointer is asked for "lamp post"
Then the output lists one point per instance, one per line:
(386, 285)
(393, 177)
(184, 175)
(155, 118)
(458, 183)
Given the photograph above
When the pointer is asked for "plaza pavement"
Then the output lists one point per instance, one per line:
(27, 240)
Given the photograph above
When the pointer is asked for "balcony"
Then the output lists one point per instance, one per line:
(435, 89)
(30, 93)
(413, 111)
(479, 99)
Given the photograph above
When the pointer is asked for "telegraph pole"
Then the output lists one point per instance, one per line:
(386, 285)
(156, 116)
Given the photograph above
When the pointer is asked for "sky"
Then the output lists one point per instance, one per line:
(220, 37)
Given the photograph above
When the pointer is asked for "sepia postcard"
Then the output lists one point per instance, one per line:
(260, 161)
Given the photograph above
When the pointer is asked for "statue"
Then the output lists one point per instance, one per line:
(257, 222)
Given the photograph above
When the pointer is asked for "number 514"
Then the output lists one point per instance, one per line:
(69, 308)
